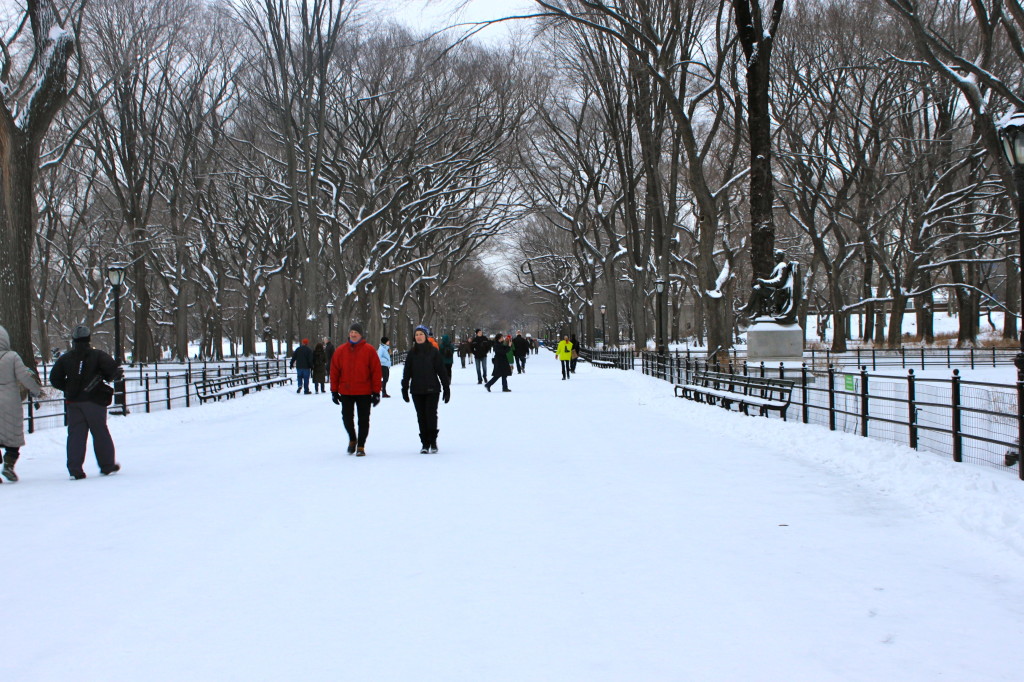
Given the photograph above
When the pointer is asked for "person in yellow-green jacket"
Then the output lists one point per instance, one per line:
(565, 355)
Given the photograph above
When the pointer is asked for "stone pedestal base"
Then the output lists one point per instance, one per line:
(771, 343)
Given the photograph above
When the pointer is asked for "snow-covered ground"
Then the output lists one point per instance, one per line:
(592, 529)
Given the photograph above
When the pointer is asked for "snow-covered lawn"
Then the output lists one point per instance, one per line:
(592, 529)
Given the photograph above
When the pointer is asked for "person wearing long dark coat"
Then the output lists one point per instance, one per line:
(502, 367)
(319, 369)
(426, 379)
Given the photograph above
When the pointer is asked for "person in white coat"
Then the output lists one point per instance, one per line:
(14, 378)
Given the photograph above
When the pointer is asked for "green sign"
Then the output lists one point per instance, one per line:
(851, 382)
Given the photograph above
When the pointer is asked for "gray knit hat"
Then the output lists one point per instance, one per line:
(80, 333)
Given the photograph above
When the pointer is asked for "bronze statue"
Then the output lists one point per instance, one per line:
(778, 295)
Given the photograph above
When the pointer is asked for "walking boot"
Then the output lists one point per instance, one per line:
(9, 459)
(433, 443)
(360, 451)
(351, 447)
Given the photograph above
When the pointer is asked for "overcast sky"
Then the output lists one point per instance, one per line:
(432, 15)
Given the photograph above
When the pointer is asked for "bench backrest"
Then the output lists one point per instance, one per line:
(762, 387)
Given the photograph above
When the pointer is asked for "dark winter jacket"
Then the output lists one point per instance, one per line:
(447, 350)
(520, 346)
(355, 369)
(302, 358)
(424, 370)
(481, 347)
(329, 352)
(77, 368)
(501, 363)
(319, 365)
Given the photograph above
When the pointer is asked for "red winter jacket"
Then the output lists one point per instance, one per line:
(355, 369)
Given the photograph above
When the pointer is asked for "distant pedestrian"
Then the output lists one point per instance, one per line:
(80, 374)
(575, 353)
(329, 352)
(355, 385)
(384, 353)
(302, 361)
(15, 378)
(532, 342)
(426, 379)
(465, 350)
(447, 354)
(481, 348)
(319, 369)
(520, 349)
(564, 353)
(502, 366)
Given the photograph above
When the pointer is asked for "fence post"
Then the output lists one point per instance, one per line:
(831, 398)
(147, 394)
(31, 416)
(958, 445)
(168, 378)
(874, 364)
(864, 401)
(803, 376)
(972, 357)
(782, 370)
(762, 369)
(1020, 426)
(903, 357)
(922, 357)
(949, 357)
(912, 407)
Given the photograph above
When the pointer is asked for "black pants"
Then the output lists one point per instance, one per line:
(566, 368)
(385, 372)
(349, 404)
(572, 367)
(504, 382)
(463, 358)
(520, 363)
(83, 419)
(426, 415)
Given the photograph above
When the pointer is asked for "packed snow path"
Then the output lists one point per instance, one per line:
(591, 529)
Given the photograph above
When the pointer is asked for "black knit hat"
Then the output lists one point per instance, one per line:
(356, 327)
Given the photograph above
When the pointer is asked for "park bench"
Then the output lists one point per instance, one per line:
(215, 388)
(763, 393)
(605, 364)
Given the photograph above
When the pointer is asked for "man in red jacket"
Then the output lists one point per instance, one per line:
(355, 385)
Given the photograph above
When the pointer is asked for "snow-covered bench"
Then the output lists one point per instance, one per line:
(215, 388)
(606, 364)
(745, 392)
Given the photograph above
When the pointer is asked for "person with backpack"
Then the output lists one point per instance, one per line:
(564, 353)
(15, 378)
(80, 374)
(520, 348)
(302, 361)
(426, 379)
(502, 365)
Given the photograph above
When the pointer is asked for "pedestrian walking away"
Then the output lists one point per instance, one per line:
(520, 349)
(319, 369)
(575, 353)
(502, 365)
(447, 354)
(302, 361)
(426, 379)
(481, 348)
(356, 386)
(384, 353)
(564, 353)
(15, 380)
(80, 374)
(465, 350)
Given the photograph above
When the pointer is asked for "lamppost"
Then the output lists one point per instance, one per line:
(583, 335)
(115, 275)
(660, 286)
(604, 329)
(330, 321)
(268, 336)
(1011, 132)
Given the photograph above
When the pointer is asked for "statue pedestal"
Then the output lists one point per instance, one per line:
(771, 343)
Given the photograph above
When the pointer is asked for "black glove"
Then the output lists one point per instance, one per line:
(375, 399)
(336, 397)
(405, 394)
(447, 395)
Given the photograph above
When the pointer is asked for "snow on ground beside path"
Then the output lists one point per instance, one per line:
(592, 529)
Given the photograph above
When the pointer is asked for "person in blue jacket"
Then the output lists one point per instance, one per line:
(384, 351)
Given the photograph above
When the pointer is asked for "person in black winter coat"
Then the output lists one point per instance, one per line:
(302, 361)
(520, 349)
(481, 347)
(575, 354)
(502, 368)
(426, 379)
(78, 373)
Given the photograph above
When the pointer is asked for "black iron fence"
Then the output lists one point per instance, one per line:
(620, 359)
(902, 357)
(151, 388)
(970, 421)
